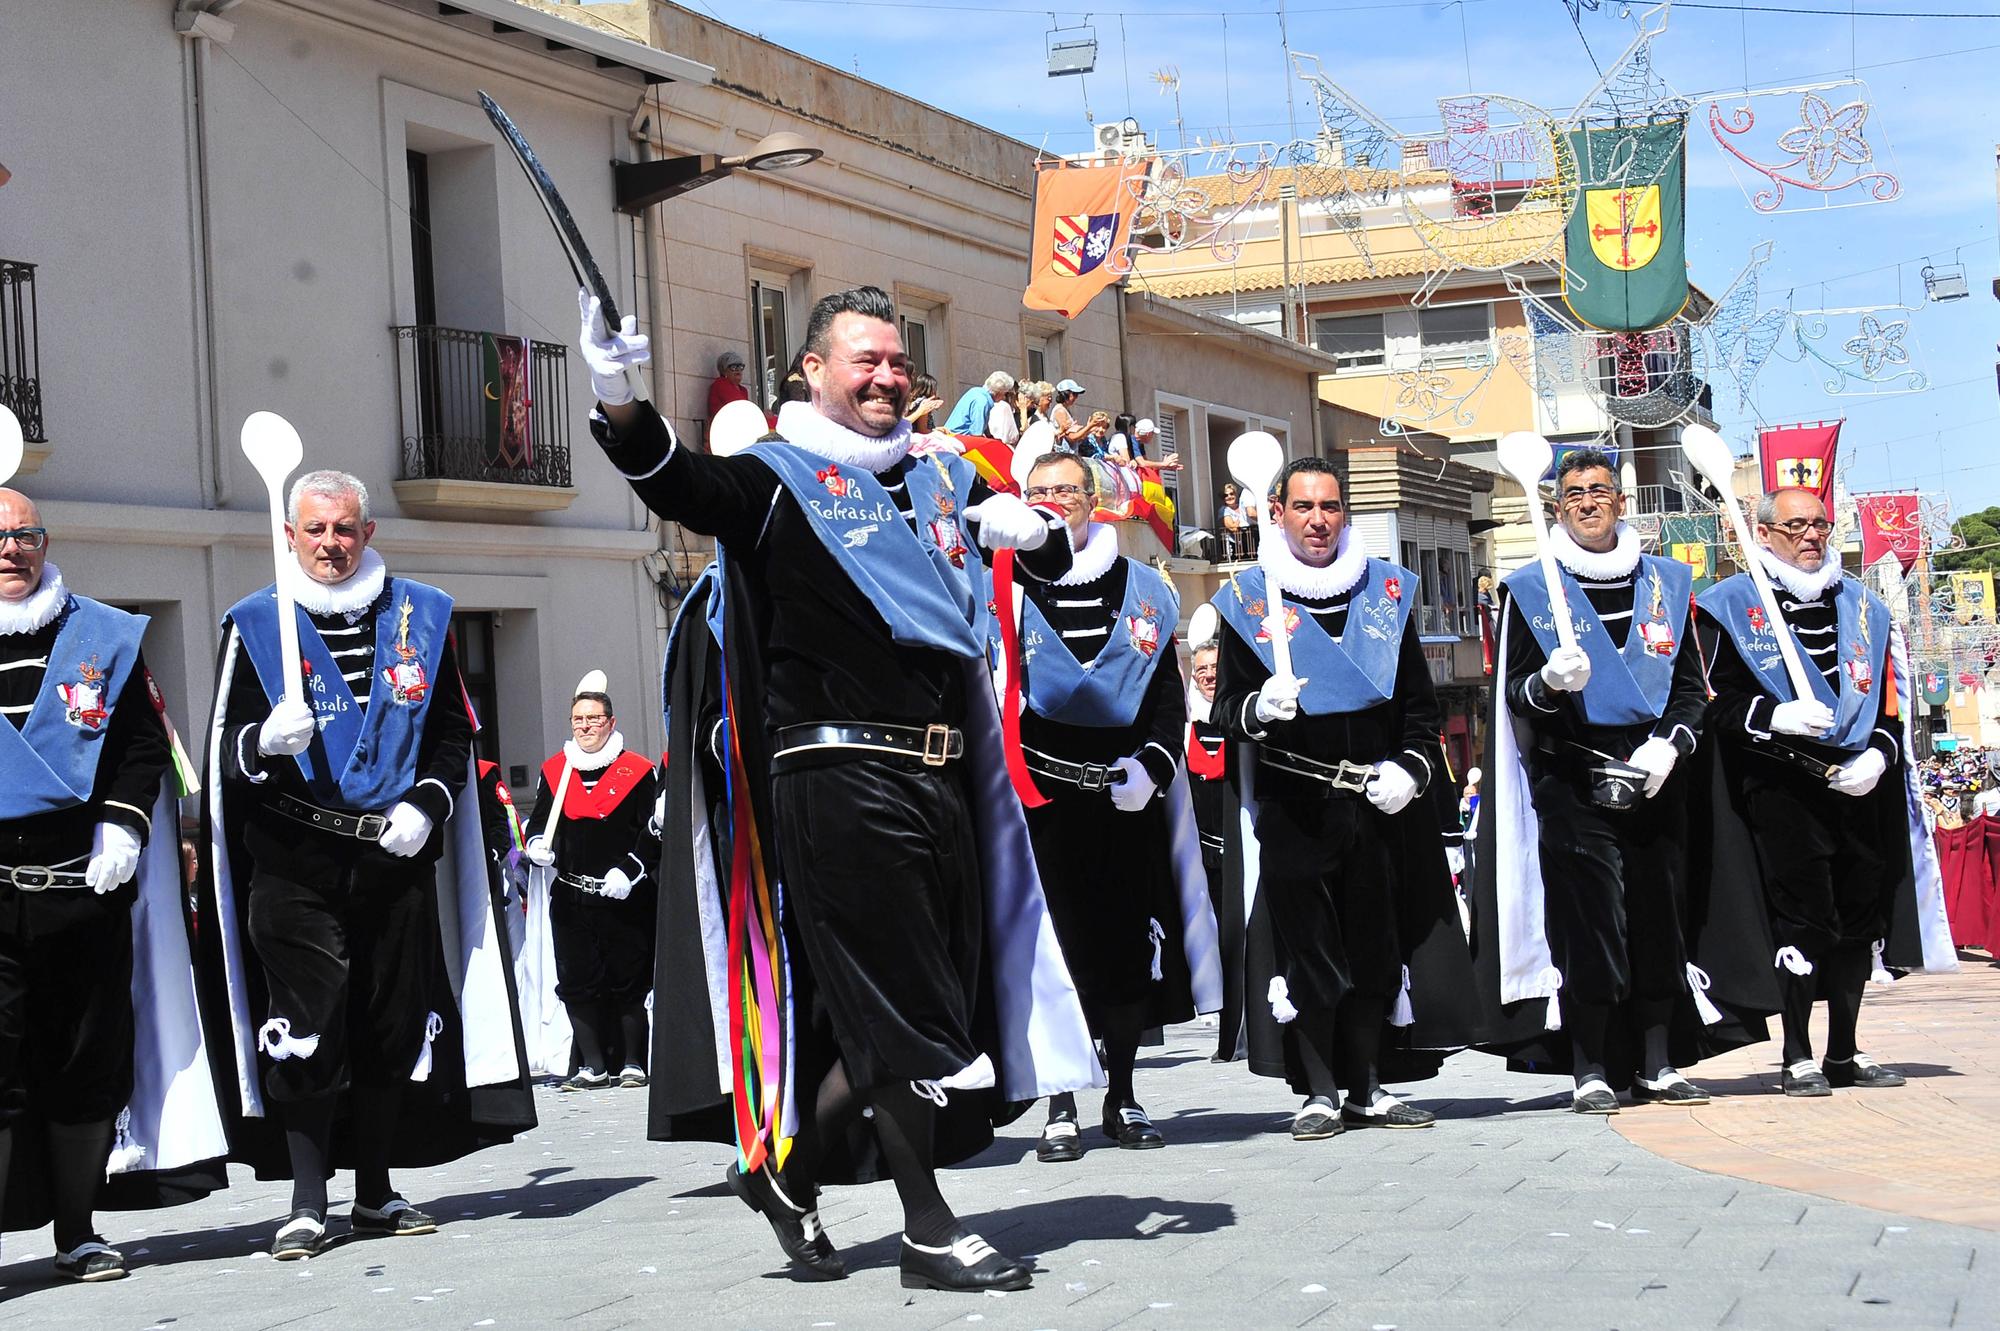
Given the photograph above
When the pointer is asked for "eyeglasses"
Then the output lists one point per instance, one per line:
(590, 720)
(29, 539)
(1597, 494)
(1798, 527)
(1054, 491)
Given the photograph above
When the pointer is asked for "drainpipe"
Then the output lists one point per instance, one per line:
(200, 22)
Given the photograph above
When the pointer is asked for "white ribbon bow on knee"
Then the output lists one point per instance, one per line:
(1698, 983)
(433, 1027)
(275, 1038)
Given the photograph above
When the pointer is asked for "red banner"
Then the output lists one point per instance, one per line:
(1890, 525)
(1800, 456)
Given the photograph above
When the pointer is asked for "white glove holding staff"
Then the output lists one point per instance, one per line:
(539, 852)
(287, 730)
(1567, 670)
(609, 355)
(1278, 700)
(1806, 716)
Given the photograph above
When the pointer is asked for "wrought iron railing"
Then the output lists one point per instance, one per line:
(476, 406)
(21, 348)
(1650, 499)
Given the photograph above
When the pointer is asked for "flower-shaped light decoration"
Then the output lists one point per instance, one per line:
(1426, 392)
(1878, 345)
(1827, 137)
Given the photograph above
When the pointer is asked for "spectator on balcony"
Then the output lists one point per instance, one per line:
(1003, 420)
(1096, 435)
(922, 411)
(1239, 525)
(1144, 435)
(1070, 432)
(974, 412)
(727, 386)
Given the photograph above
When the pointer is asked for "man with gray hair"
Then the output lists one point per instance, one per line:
(329, 815)
(974, 412)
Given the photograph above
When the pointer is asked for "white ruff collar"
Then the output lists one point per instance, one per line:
(1099, 554)
(580, 761)
(350, 596)
(1349, 566)
(802, 426)
(1597, 565)
(1802, 585)
(41, 607)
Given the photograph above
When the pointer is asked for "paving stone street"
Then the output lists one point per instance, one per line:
(1511, 1212)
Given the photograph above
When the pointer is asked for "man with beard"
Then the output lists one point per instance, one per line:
(87, 827)
(332, 812)
(1212, 787)
(860, 738)
(1592, 898)
(1100, 732)
(597, 889)
(1820, 784)
(1341, 748)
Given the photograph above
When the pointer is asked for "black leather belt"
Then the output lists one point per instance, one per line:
(933, 745)
(39, 877)
(1796, 757)
(582, 882)
(1210, 841)
(1344, 776)
(360, 826)
(1084, 776)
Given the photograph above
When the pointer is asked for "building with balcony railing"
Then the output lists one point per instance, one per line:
(21, 354)
(484, 420)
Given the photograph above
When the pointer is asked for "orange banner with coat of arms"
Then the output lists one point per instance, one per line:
(1083, 219)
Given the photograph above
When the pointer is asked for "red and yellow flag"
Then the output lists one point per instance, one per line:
(1083, 218)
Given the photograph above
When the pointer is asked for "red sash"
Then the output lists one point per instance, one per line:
(612, 785)
(1205, 764)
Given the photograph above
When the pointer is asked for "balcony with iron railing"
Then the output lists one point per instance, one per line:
(21, 358)
(484, 423)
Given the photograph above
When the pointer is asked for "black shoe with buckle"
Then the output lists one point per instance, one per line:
(1061, 1142)
(1316, 1120)
(968, 1264)
(1804, 1080)
(1131, 1127)
(798, 1229)
(91, 1262)
(393, 1219)
(1862, 1071)
(1671, 1089)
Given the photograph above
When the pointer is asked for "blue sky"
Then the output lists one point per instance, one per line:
(1934, 117)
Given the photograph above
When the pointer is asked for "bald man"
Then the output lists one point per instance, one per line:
(84, 752)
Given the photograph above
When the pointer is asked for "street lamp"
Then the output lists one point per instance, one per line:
(640, 185)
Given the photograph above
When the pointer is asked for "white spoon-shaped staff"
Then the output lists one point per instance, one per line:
(1255, 459)
(1525, 456)
(11, 447)
(1202, 624)
(593, 682)
(737, 426)
(1709, 453)
(273, 447)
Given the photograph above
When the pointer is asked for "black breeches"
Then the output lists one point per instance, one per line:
(884, 882)
(1825, 883)
(1329, 881)
(603, 948)
(66, 1028)
(1612, 895)
(351, 962)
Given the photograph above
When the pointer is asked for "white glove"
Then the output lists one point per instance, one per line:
(114, 858)
(1391, 788)
(1006, 522)
(287, 730)
(616, 885)
(1278, 700)
(610, 355)
(409, 827)
(1656, 758)
(1136, 790)
(659, 820)
(539, 851)
(1567, 670)
(1806, 716)
(1859, 776)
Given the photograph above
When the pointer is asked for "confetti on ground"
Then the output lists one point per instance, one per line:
(1602, 1224)
(1312, 1289)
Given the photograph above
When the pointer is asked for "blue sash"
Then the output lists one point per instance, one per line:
(1628, 686)
(928, 585)
(362, 758)
(51, 761)
(1863, 637)
(1106, 690)
(1356, 671)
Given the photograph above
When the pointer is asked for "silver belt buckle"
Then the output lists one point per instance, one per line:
(1352, 776)
(1093, 777)
(937, 745)
(371, 826)
(39, 877)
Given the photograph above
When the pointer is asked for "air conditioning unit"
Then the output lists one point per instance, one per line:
(1110, 138)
